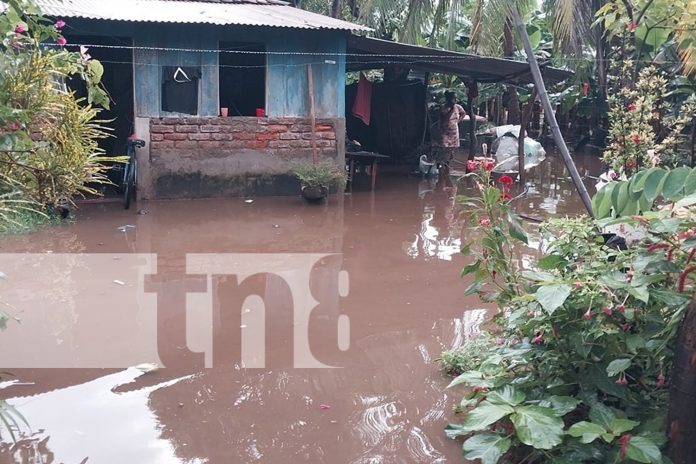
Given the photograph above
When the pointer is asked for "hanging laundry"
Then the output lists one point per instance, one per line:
(362, 106)
(180, 89)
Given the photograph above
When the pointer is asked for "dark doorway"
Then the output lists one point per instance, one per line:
(117, 58)
(242, 77)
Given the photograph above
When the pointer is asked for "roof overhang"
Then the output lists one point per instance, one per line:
(368, 53)
(262, 14)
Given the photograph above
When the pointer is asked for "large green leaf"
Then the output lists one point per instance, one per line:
(551, 297)
(484, 415)
(617, 366)
(471, 379)
(620, 198)
(602, 415)
(537, 426)
(642, 449)
(653, 183)
(562, 405)
(487, 447)
(690, 183)
(637, 181)
(515, 228)
(673, 185)
(601, 202)
(619, 426)
(507, 395)
(586, 431)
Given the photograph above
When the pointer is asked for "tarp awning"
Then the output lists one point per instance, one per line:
(368, 53)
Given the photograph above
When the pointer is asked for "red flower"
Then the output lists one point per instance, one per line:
(488, 165)
(631, 107)
(61, 40)
(623, 445)
(607, 311)
(635, 138)
(485, 222)
(471, 165)
(506, 180)
(585, 89)
(632, 26)
(506, 196)
(622, 379)
(625, 327)
(621, 308)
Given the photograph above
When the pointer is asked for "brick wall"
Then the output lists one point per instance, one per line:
(204, 157)
(283, 137)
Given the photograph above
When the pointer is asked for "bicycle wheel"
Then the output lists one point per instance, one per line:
(127, 187)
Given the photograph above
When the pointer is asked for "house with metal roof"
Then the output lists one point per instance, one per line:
(218, 89)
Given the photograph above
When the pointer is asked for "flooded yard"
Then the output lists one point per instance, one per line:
(211, 290)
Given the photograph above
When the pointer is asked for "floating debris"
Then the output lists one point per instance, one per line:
(126, 227)
(119, 282)
(248, 201)
(147, 367)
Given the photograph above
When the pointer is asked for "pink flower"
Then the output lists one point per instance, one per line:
(485, 222)
(622, 379)
(577, 285)
(471, 165)
(488, 165)
(588, 315)
(632, 26)
(625, 327)
(13, 126)
(607, 311)
(60, 24)
(623, 445)
(506, 180)
(635, 138)
(20, 29)
(621, 308)
(585, 89)
(660, 381)
(631, 107)
(324, 406)
(61, 40)
(538, 338)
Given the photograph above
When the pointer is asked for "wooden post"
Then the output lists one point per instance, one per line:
(526, 117)
(312, 115)
(548, 109)
(472, 93)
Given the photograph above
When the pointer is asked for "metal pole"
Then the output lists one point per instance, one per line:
(553, 124)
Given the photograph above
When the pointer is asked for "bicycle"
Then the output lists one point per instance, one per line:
(130, 172)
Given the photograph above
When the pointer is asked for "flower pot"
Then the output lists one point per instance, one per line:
(314, 193)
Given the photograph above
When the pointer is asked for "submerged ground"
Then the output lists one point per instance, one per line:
(387, 260)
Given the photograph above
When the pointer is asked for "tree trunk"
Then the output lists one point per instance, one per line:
(682, 393)
(513, 105)
(335, 8)
(472, 94)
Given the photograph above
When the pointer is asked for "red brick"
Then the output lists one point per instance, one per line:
(156, 137)
(162, 145)
(161, 128)
(186, 128)
(187, 144)
(300, 143)
(199, 136)
(244, 136)
(277, 128)
(326, 143)
(300, 128)
(175, 136)
(220, 136)
(210, 144)
(266, 136)
(210, 128)
(279, 144)
(327, 135)
(256, 144)
(324, 128)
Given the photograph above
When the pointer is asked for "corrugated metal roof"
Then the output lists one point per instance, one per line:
(368, 53)
(195, 12)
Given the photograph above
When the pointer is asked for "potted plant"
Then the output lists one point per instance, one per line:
(317, 179)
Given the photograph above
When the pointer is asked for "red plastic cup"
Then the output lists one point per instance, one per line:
(260, 112)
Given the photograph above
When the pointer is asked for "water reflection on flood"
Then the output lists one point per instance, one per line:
(386, 403)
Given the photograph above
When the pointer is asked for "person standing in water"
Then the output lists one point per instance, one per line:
(451, 114)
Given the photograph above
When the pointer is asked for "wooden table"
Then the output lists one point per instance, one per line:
(362, 157)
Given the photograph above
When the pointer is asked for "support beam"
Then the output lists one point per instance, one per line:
(526, 118)
(548, 109)
(472, 94)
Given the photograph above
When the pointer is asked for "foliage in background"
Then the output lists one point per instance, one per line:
(580, 369)
(48, 138)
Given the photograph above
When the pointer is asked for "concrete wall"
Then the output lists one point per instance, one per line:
(208, 157)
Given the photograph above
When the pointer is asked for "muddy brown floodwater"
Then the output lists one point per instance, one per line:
(213, 290)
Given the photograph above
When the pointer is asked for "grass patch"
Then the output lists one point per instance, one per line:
(25, 221)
